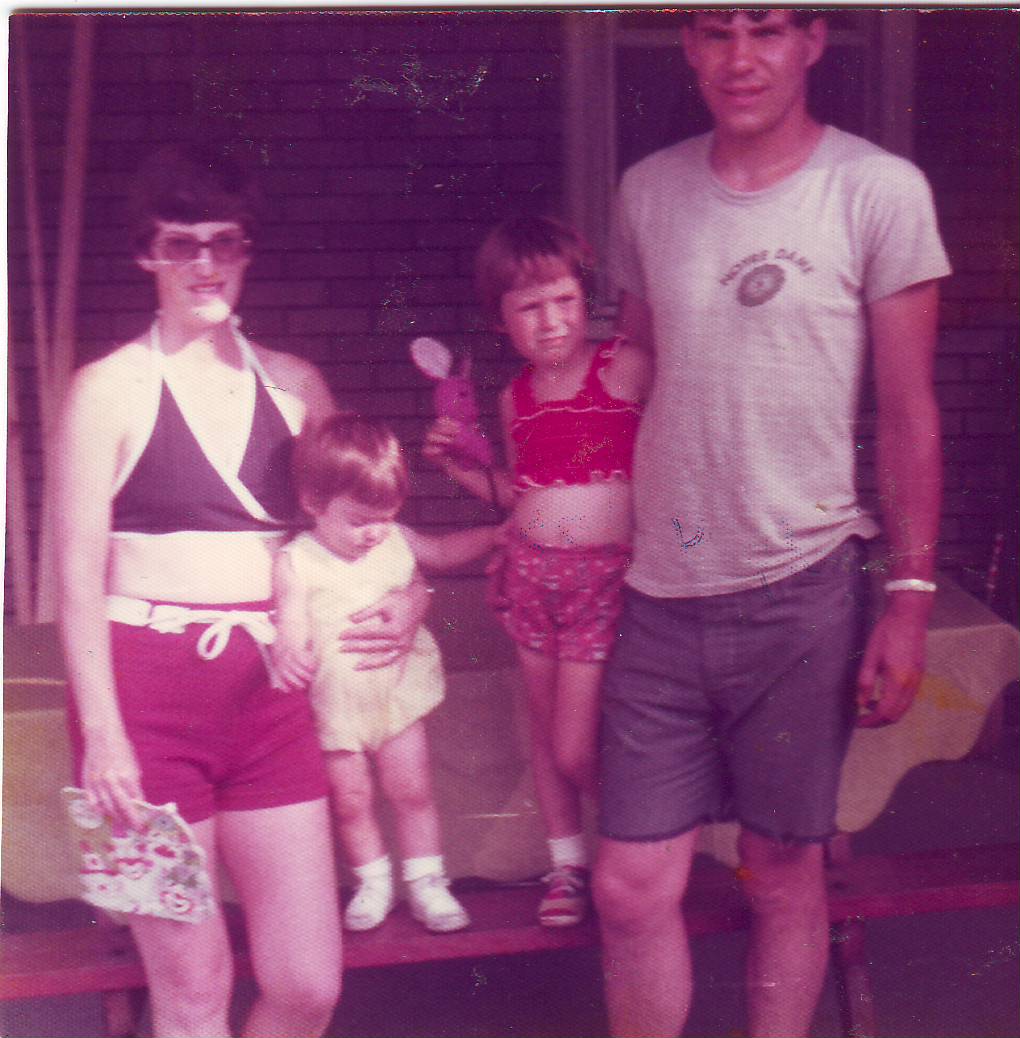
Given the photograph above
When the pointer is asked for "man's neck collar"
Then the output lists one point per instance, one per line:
(755, 163)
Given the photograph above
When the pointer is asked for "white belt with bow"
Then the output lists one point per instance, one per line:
(173, 619)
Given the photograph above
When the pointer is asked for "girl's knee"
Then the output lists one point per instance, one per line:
(541, 713)
(408, 792)
(577, 765)
(353, 802)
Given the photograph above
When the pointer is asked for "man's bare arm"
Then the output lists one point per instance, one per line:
(903, 330)
(634, 321)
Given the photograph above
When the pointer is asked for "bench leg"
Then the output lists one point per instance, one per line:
(122, 1012)
(853, 985)
(849, 961)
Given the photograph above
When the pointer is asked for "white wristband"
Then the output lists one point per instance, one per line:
(911, 584)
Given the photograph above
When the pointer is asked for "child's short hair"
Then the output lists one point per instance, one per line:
(525, 251)
(350, 455)
(191, 183)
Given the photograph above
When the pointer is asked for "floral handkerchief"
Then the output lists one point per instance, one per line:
(156, 870)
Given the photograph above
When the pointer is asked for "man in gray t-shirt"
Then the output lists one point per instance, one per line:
(763, 263)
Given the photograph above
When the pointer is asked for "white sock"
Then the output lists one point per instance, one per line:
(427, 865)
(380, 869)
(568, 850)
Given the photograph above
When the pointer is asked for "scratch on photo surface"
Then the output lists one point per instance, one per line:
(499, 814)
(424, 89)
(691, 542)
(999, 956)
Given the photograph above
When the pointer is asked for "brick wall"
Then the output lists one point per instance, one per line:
(391, 142)
(966, 137)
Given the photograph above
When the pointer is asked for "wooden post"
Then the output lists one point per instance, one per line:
(589, 138)
(36, 268)
(71, 220)
(23, 568)
(17, 504)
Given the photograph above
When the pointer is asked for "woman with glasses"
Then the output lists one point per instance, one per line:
(172, 484)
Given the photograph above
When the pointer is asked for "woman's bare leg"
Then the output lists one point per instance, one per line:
(281, 862)
(188, 966)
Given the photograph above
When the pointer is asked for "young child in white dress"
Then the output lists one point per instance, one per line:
(351, 481)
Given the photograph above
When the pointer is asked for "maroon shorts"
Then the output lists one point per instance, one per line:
(561, 602)
(211, 735)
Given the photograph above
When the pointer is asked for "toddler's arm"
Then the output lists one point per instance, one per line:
(294, 663)
(438, 437)
(448, 550)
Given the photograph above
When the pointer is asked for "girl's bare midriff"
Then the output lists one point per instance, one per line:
(194, 566)
(579, 515)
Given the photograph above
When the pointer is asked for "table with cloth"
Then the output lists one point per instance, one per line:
(479, 750)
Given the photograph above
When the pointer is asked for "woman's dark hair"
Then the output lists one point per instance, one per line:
(191, 183)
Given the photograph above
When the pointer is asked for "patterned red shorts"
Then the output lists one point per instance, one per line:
(561, 602)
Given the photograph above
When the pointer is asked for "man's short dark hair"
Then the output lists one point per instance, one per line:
(801, 17)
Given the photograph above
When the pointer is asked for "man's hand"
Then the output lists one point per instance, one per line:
(385, 630)
(893, 663)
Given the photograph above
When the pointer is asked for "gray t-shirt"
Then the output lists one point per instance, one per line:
(744, 465)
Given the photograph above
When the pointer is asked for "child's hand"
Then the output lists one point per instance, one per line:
(439, 438)
(294, 665)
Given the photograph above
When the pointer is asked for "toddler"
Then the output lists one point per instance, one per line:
(351, 481)
(569, 421)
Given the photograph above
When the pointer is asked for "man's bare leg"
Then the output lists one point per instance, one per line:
(645, 953)
(789, 947)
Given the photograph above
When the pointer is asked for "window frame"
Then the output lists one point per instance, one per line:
(591, 41)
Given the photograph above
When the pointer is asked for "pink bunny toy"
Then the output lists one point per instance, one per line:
(454, 398)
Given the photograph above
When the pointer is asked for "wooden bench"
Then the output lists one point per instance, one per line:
(103, 959)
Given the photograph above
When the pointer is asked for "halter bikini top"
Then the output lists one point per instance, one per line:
(173, 484)
(567, 442)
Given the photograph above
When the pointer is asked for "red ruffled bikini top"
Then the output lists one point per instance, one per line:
(568, 442)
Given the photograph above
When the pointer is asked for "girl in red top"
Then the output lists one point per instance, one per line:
(569, 421)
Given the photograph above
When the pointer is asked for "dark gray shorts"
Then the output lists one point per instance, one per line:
(734, 706)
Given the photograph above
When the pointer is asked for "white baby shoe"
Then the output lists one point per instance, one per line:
(370, 905)
(434, 906)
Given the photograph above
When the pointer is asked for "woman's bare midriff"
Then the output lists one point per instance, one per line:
(578, 515)
(194, 566)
